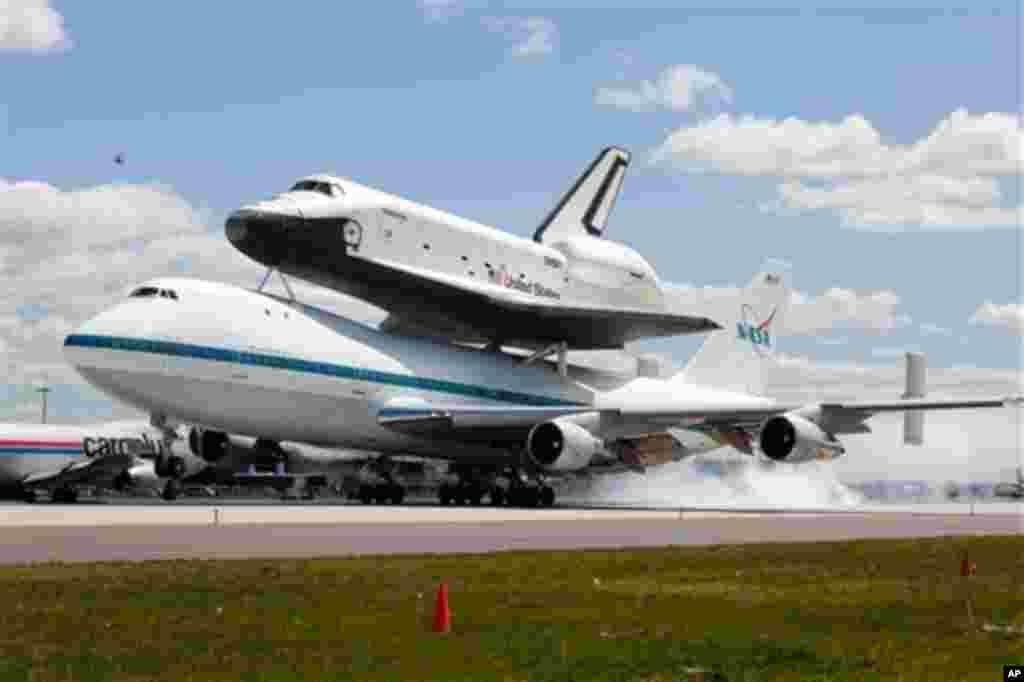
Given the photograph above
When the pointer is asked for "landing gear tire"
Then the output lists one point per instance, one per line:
(524, 497)
(171, 490)
(397, 494)
(532, 498)
(497, 496)
(365, 494)
(64, 496)
(29, 496)
(546, 496)
(122, 481)
(444, 496)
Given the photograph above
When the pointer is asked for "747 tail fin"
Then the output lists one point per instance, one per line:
(733, 358)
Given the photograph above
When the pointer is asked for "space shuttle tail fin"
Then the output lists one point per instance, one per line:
(584, 209)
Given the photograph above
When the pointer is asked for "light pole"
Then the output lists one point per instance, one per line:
(43, 390)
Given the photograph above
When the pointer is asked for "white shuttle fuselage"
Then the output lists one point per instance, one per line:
(437, 272)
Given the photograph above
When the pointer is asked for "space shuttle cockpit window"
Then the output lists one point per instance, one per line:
(145, 292)
(325, 188)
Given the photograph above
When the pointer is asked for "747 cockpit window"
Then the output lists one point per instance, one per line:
(153, 292)
(325, 188)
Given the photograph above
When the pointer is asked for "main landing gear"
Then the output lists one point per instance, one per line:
(172, 489)
(378, 485)
(64, 495)
(381, 493)
(471, 486)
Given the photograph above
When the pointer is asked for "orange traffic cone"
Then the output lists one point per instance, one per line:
(442, 616)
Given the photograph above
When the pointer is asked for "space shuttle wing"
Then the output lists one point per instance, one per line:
(96, 469)
(495, 311)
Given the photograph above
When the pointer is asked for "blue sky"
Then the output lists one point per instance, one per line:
(218, 104)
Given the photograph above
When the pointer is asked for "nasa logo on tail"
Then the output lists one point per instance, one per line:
(757, 332)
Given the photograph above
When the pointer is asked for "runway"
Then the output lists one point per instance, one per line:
(133, 533)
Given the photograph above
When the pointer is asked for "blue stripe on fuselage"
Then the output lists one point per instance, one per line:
(187, 350)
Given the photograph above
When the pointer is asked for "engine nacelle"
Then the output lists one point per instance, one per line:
(206, 444)
(792, 438)
(169, 466)
(561, 445)
(139, 476)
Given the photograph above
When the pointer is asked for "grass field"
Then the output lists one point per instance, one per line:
(868, 610)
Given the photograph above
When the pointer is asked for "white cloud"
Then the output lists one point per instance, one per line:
(533, 36)
(944, 179)
(929, 329)
(440, 10)
(31, 25)
(677, 88)
(1007, 317)
(838, 308)
(835, 309)
(928, 200)
(69, 254)
(961, 145)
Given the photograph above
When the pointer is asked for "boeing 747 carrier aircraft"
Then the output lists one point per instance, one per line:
(240, 361)
(438, 274)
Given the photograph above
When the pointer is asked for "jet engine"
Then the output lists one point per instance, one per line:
(207, 444)
(169, 466)
(792, 438)
(561, 445)
(139, 476)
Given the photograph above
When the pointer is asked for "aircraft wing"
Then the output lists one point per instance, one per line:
(836, 417)
(869, 408)
(472, 424)
(500, 424)
(93, 470)
(495, 311)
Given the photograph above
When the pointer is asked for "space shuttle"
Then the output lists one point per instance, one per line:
(440, 275)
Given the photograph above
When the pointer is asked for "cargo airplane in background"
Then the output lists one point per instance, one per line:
(233, 360)
(57, 459)
(441, 275)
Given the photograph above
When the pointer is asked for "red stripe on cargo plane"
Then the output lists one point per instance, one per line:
(6, 442)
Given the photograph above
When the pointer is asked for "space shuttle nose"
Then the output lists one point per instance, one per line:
(256, 233)
(235, 228)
